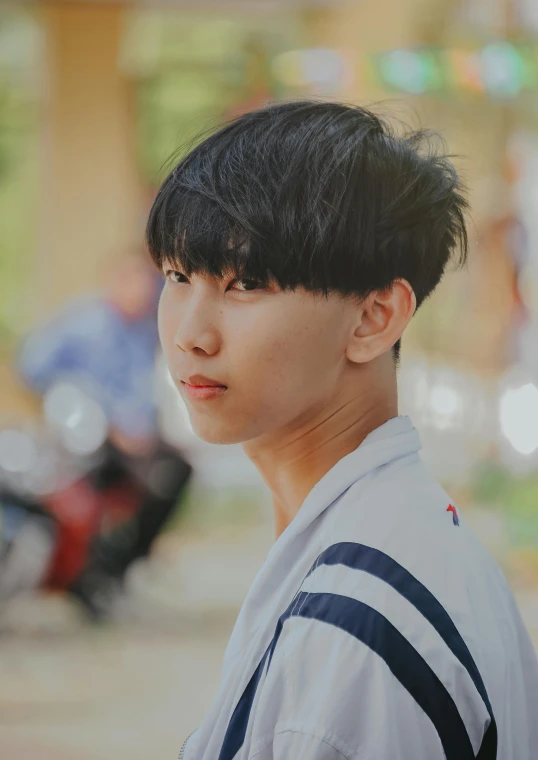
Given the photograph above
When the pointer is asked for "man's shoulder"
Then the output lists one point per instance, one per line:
(400, 610)
(402, 547)
(363, 628)
(405, 513)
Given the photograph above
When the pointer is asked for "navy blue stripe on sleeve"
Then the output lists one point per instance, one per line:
(411, 670)
(384, 567)
(237, 727)
(374, 630)
(377, 563)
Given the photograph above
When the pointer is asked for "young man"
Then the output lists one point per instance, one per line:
(297, 243)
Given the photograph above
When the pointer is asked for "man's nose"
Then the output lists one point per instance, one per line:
(197, 328)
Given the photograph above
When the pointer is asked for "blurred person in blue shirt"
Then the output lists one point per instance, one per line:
(106, 344)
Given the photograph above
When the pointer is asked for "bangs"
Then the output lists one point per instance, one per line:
(320, 196)
(239, 203)
(190, 229)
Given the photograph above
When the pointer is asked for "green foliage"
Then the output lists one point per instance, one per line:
(191, 70)
(515, 497)
(173, 108)
(18, 165)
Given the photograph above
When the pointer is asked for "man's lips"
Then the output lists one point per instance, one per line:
(201, 381)
(204, 392)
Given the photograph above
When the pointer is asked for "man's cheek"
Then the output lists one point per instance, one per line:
(165, 325)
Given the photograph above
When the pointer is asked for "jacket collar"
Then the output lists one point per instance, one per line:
(289, 557)
(395, 438)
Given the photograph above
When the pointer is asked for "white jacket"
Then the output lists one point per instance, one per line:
(378, 628)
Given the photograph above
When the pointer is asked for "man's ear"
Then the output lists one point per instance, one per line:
(381, 319)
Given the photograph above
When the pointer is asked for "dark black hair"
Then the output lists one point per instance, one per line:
(316, 194)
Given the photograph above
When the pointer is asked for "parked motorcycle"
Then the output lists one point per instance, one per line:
(76, 509)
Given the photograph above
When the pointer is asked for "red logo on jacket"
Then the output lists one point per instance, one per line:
(455, 518)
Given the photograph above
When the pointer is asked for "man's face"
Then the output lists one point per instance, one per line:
(280, 354)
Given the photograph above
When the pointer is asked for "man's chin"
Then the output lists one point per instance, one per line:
(216, 434)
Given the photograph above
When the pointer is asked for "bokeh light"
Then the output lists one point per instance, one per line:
(518, 416)
(79, 419)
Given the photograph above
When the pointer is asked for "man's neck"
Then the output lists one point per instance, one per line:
(293, 464)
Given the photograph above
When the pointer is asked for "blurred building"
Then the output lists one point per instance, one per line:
(104, 67)
(119, 86)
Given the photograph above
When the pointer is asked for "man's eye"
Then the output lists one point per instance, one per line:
(246, 286)
(173, 275)
(250, 285)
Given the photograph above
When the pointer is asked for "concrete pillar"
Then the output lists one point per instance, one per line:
(91, 196)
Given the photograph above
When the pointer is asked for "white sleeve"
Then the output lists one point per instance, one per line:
(347, 701)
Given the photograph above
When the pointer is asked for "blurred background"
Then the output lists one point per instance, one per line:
(114, 517)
